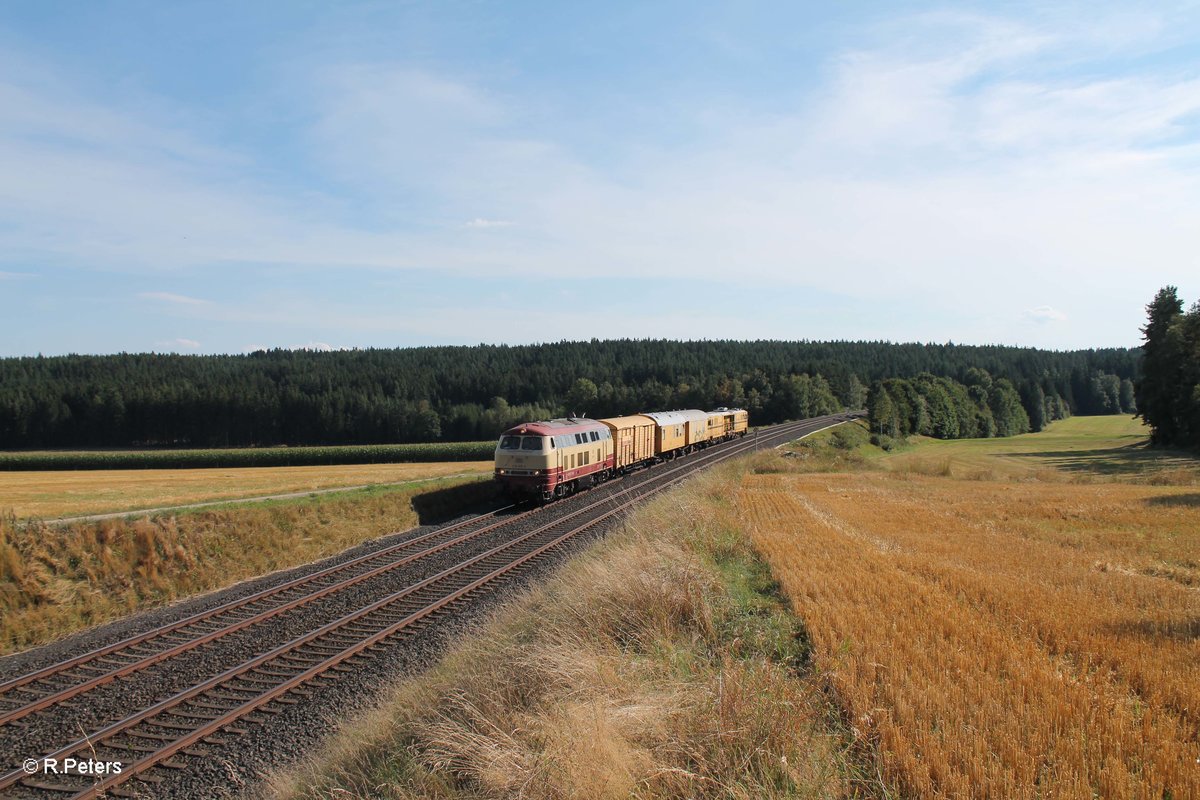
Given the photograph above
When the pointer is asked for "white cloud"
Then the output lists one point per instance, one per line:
(12, 276)
(171, 297)
(1044, 314)
(178, 344)
(480, 222)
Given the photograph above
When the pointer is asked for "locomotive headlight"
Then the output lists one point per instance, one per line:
(499, 472)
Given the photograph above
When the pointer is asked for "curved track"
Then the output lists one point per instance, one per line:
(253, 690)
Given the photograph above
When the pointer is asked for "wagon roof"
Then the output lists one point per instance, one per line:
(625, 422)
(676, 417)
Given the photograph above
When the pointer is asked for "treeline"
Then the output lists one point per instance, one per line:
(471, 393)
(946, 409)
(1168, 393)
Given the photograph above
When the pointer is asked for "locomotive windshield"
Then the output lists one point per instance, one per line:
(521, 443)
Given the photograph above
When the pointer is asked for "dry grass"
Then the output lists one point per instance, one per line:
(56, 580)
(80, 492)
(1012, 637)
(659, 664)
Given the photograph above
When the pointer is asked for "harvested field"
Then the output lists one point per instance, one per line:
(78, 492)
(1003, 634)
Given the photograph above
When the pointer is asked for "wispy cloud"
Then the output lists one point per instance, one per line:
(178, 344)
(1045, 314)
(480, 222)
(171, 297)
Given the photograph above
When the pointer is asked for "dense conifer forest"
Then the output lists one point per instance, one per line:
(1168, 393)
(471, 393)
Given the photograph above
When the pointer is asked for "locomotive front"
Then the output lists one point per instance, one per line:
(523, 460)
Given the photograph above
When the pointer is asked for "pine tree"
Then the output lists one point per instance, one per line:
(1156, 393)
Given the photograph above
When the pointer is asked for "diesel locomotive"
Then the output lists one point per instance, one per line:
(553, 458)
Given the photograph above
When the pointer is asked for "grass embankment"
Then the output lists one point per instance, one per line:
(1003, 618)
(57, 580)
(661, 663)
(247, 456)
(72, 492)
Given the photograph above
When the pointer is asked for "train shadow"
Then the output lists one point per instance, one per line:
(441, 505)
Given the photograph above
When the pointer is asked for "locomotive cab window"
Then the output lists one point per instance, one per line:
(510, 443)
(532, 443)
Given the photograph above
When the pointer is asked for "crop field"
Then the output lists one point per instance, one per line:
(996, 631)
(246, 456)
(78, 492)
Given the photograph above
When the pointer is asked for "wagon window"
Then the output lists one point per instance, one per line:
(510, 443)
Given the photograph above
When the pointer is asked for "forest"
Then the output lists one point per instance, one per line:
(1168, 393)
(299, 397)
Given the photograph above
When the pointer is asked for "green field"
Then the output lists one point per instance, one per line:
(248, 456)
(1114, 446)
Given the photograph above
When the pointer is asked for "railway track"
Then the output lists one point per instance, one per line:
(152, 739)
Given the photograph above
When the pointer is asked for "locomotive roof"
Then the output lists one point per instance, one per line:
(553, 427)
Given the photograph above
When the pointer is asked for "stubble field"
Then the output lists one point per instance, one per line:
(999, 632)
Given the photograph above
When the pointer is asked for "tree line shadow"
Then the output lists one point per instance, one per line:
(1184, 630)
(1131, 459)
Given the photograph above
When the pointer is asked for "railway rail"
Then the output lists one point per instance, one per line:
(151, 739)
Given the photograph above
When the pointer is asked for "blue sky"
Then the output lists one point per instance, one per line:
(210, 177)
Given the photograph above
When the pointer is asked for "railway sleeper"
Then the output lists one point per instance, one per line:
(190, 713)
(221, 694)
(256, 686)
(321, 649)
(272, 673)
(158, 737)
(46, 786)
(134, 748)
(169, 725)
(299, 659)
(95, 670)
(216, 706)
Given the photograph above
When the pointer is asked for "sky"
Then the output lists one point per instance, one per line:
(224, 177)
